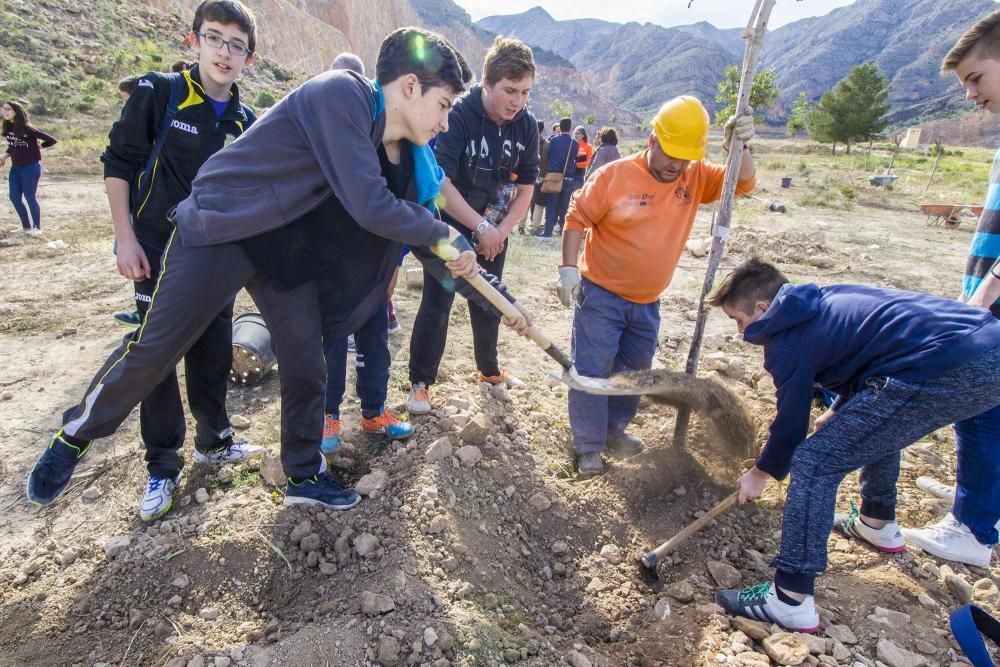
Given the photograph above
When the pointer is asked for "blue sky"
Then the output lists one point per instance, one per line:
(721, 13)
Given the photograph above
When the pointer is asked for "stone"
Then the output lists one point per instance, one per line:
(201, 496)
(683, 591)
(598, 585)
(209, 614)
(724, 574)
(310, 542)
(116, 544)
(611, 553)
(302, 529)
(751, 628)
(785, 648)
(817, 645)
(90, 494)
(821, 262)
(196, 661)
(959, 587)
(715, 361)
(984, 590)
(388, 650)
(437, 525)
(890, 617)
(376, 603)
(578, 659)
(469, 455)
(271, 469)
(372, 483)
(414, 278)
(181, 581)
(751, 659)
(895, 656)
(365, 543)
(239, 421)
(438, 450)
(67, 558)
(539, 502)
(430, 636)
(840, 652)
(475, 432)
(559, 547)
(662, 609)
(841, 633)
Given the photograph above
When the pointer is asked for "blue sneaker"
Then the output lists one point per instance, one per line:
(52, 473)
(321, 490)
(159, 497)
(331, 433)
(388, 424)
(128, 319)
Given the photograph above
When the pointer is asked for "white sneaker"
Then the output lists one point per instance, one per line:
(418, 402)
(761, 603)
(935, 488)
(34, 231)
(159, 497)
(888, 538)
(950, 539)
(239, 450)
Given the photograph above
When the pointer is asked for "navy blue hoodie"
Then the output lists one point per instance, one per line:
(843, 335)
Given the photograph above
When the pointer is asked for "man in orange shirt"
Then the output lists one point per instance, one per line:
(639, 212)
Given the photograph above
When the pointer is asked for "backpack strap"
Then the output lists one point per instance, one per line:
(178, 91)
(968, 624)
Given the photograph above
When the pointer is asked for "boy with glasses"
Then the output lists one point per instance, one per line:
(209, 116)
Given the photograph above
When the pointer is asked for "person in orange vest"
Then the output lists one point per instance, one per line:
(639, 212)
(584, 154)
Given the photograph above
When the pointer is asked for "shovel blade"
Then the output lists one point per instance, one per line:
(591, 385)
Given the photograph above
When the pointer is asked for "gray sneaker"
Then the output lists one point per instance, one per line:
(590, 465)
(623, 444)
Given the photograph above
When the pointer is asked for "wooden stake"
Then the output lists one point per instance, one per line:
(938, 149)
(756, 27)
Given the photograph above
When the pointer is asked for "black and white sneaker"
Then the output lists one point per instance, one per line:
(761, 603)
(887, 539)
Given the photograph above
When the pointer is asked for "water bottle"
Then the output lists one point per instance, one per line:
(497, 208)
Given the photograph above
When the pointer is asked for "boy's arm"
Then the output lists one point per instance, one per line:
(333, 117)
(527, 172)
(434, 265)
(794, 382)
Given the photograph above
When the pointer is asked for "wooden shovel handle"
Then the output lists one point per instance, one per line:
(692, 528)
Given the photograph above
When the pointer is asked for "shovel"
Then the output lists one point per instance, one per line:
(651, 559)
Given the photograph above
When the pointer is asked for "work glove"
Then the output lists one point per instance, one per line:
(742, 127)
(569, 284)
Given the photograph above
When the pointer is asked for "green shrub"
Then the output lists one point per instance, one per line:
(265, 99)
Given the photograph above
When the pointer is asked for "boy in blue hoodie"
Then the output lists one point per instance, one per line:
(903, 365)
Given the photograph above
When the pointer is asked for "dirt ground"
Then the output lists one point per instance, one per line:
(458, 561)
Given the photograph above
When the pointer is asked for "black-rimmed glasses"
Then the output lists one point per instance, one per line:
(216, 42)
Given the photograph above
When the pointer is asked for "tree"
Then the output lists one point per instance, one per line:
(854, 110)
(561, 109)
(614, 118)
(763, 93)
(589, 119)
(798, 120)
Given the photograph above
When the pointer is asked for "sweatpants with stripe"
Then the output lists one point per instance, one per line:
(195, 285)
(869, 432)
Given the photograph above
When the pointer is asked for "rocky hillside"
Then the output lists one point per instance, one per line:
(640, 64)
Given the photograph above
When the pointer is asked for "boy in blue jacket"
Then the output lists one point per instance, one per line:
(903, 365)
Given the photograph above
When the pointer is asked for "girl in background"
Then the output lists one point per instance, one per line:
(26, 164)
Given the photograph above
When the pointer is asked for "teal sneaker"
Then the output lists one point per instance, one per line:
(331, 432)
(388, 424)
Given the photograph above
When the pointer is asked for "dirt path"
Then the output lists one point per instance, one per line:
(508, 559)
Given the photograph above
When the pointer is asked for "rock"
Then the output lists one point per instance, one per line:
(375, 603)
(683, 591)
(239, 421)
(578, 659)
(751, 659)
(371, 483)
(176, 662)
(438, 450)
(662, 609)
(598, 585)
(459, 403)
(388, 650)
(302, 529)
(841, 633)
(751, 628)
(181, 581)
(984, 590)
(715, 361)
(226, 475)
(67, 558)
(840, 652)
(817, 645)
(821, 262)
(539, 502)
(223, 661)
(959, 587)
(116, 544)
(209, 614)
(559, 547)
(175, 601)
(892, 618)
(437, 525)
(310, 542)
(469, 455)
(611, 553)
(365, 543)
(785, 648)
(90, 494)
(196, 661)
(430, 636)
(201, 496)
(895, 656)
(475, 432)
(414, 278)
(271, 469)
(135, 619)
(724, 574)
(328, 569)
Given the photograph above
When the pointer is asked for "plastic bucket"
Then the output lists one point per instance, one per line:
(253, 357)
(786, 182)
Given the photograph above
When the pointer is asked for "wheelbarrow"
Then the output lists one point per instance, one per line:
(949, 215)
(883, 181)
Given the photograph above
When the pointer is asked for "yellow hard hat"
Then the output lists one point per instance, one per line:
(681, 126)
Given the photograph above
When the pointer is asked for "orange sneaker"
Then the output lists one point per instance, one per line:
(388, 424)
(504, 377)
(331, 432)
